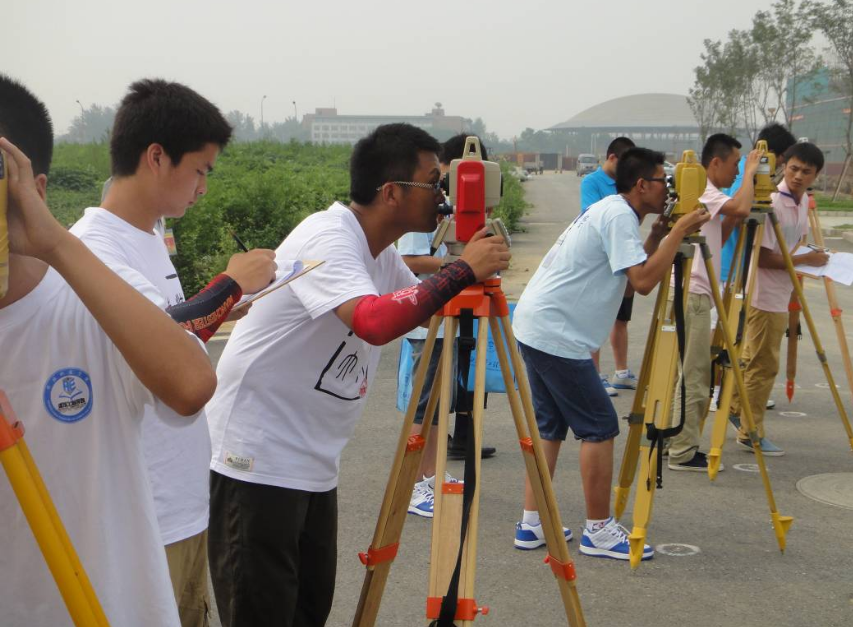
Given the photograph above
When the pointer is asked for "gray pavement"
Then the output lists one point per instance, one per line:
(735, 575)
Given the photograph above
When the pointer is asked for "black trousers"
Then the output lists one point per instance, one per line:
(273, 553)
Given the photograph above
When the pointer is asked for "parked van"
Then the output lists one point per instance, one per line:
(587, 164)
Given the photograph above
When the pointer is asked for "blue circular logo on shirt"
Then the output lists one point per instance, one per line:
(68, 395)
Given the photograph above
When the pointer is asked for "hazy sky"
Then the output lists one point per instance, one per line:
(515, 64)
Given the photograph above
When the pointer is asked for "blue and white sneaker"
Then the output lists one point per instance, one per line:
(611, 391)
(610, 541)
(529, 537)
(423, 500)
(624, 380)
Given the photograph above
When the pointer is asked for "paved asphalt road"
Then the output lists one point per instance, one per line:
(736, 576)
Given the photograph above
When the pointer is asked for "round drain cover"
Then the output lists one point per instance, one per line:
(832, 488)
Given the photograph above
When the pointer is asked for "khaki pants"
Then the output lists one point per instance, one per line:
(697, 379)
(188, 570)
(764, 333)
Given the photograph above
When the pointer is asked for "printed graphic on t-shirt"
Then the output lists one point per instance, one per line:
(68, 395)
(345, 374)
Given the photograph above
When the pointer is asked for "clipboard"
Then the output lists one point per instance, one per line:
(304, 268)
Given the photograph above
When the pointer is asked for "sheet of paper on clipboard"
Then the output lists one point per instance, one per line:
(288, 270)
(839, 268)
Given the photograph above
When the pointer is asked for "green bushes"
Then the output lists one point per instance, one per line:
(260, 190)
(512, 205)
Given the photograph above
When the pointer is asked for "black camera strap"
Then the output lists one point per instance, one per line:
(657, 436)
(466, 346)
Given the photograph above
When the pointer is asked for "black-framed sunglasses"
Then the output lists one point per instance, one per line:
(435, 187)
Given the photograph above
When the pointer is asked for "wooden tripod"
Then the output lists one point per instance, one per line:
(488, 304)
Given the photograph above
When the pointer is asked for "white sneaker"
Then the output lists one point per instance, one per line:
(624, 380)
(423, 500)
(611, 391)
(610, 541)
(528, 537)
(770, 404)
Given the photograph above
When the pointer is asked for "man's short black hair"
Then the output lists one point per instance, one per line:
(806, 152)
(778, 138)
(618, 147)
(719, 145)
(155, 111)
(455, 146)
(25, 122)
(390, 153)
(636, 164)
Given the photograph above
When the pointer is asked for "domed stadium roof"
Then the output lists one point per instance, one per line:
(640, 111)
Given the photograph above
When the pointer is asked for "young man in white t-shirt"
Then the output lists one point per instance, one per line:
(164, 143)
(566, 312)
(89, 353)
(294, 377)
(767, 317)
(720, 158)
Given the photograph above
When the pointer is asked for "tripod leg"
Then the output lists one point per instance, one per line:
(50, 534)
(735, 310)
(448, 508)
(398, 492)
(537, 469)
(834, 309)
(630, 455)
(781, 524)
(821, 355)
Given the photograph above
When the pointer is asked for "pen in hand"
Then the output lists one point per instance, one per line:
(239, 241)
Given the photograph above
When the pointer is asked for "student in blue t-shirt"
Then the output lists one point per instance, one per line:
(590, 266)
(594, 187)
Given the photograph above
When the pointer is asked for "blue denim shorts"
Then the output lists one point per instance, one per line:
(567, 394)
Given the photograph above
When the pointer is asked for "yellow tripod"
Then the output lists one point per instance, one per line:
(53, 540)
(488, 304)
(738, 305)
(653, 401)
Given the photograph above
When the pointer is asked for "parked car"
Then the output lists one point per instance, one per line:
(586, 164)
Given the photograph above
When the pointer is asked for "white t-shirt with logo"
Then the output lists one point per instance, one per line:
(81, 407)
(570, 304)
(293, 378)
(177, 448)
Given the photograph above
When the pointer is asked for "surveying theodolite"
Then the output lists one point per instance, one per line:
(453, 558)
(665, 343)
(737, 299)
(38, 508)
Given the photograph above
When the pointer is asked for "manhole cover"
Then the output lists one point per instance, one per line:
(835, 488)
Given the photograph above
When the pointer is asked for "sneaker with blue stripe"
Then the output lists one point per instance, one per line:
(422, 502)
(610, 541)
(624, 380)
(529, 537)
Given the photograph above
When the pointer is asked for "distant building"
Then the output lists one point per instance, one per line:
(327, 127)
(662, 122)
(820, 114)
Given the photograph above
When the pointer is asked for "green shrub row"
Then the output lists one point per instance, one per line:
(260, 190)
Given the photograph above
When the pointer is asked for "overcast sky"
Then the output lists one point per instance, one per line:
(515, 64)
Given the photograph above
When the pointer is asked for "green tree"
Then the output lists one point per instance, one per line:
(92, 125)
(834, 19)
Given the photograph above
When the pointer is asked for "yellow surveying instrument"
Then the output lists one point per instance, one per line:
(453, 560)
(653, 400)
(737, 299)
